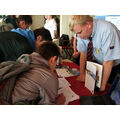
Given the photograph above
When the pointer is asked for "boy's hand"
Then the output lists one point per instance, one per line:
(61, 99)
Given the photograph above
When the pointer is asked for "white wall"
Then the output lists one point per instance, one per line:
(64, 25)
(38, 21)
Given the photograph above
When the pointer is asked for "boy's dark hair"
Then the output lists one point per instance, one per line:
(44, 33)
(48, 50)
(26, 18)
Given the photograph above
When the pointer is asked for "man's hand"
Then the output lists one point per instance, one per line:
(102, 87)
(107, 68)
(76, 54)
(81, 77)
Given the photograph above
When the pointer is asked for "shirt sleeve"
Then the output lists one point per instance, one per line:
(111, 46)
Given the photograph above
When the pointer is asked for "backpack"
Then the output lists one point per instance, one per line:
(9, 71)
(64, 40)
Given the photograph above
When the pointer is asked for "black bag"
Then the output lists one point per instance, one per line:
(64, 40)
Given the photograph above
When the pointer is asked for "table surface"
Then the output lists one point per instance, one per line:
(78, 86)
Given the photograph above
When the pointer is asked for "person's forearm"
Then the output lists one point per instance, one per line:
(107, 68)
(82, 62)
(82, 66)
(74, 45)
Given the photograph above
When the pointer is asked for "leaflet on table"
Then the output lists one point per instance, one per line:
(65, 71)
(69, 94)
(66, 90)
(93, 76)
(63, 83)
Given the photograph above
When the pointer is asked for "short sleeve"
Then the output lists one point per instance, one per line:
(111, 46)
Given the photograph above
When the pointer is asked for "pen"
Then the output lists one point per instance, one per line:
(97, 51)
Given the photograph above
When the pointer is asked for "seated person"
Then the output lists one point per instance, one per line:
(24, 22)
(40, 81)
(12, 45)
(41, 35)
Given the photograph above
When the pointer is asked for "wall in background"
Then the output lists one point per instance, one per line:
(64, 25)
(38, 21)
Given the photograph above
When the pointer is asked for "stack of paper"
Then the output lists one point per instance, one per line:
(63, 83)
(93, 76)
(67, 91)
(63, 72)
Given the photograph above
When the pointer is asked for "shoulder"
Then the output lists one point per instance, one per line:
(53, 21)
(105, 26)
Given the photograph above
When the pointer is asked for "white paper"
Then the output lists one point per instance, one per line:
(93, 75)
(90, 82)
(69, 94)
(63, 83)
(98, 74)
(63, 72)
(91, 67)
(90, 76)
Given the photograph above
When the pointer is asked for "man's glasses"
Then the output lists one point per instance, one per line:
(79, 32)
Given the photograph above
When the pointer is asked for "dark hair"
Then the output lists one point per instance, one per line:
(26, 18)
(44, 33)
(48, 50)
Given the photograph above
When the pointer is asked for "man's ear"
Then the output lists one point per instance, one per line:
(39, 38)
(88, 24)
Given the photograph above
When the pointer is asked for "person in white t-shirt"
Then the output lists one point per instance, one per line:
(51, 25)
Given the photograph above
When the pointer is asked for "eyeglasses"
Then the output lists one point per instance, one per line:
(79, 32)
